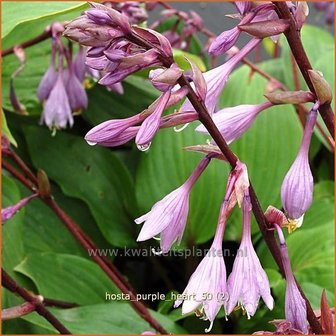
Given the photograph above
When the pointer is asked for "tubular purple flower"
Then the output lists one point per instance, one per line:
(76, 93)
(224, 41)
(107, 131)
(57, 111)
(168, 217)
(151, 124)
(295, 305)
(243, 6)
(233, 122)
(123, 66)
(207, 285)
(216, 78)
(9, 212)
(248, 281)
(228, 38)
(49, 78)
(79, 65)
(297, 187)
(120, 139)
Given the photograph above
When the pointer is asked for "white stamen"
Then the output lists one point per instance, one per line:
(177, 130)
(210, 327)
(156, 253)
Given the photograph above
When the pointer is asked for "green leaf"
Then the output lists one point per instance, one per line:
(23, 17)
(93, 174)
(67, 277)
(111, 318)
(179, 57)
(5, 130)
(324, 189)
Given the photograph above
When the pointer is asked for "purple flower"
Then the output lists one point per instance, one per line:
(248, 281)
(151, 124)
(243, 6)
(295, 305)
(206, 286)
(57, 111)
(49, 78)
(79, 65)
(108, 131)
(168, 216)
(216, 78)
(233, 122)
(76, 93)
(9, 212)
(224, 41)
(297, 187)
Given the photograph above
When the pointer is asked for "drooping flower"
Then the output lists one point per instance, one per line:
(49, 78)
(168, 216)
(108, 130)
(151, 124)
(57, 111)
(248, 281)
(77, 96)
(297, 187)
(232, 122)
(207, 287)
(9, 212)
(216, 78)
(295, 305)
(224, 41)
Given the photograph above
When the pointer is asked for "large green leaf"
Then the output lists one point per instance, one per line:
(93, 174)
(111, 318)
(166, 165)
(67, 277)
(30, 18)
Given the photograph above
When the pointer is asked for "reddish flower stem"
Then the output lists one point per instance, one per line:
(299, 53)
(8, 282)
(40, 38)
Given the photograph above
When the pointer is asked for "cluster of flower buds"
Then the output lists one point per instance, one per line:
(208, 287)
(117, 50)
(61, 89)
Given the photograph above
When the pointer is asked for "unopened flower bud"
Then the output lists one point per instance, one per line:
(43, 184)
(165, 80)
(290, 97)
(267, 28)
(321, 86)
